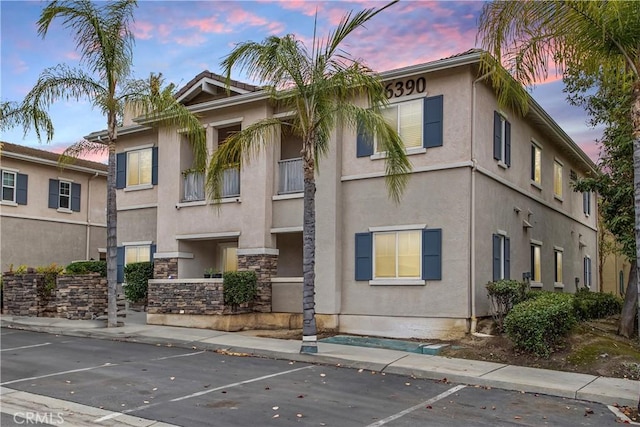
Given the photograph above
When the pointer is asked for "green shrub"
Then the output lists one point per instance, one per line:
(595, 305)
(86, 267)
(136, 277)
(239, 287)
(537, 325)
(50, 273)
(504, 294)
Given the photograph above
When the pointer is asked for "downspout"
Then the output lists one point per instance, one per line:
(472, 206)
(88, 251)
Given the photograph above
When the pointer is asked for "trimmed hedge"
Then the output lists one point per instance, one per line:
(86, 267)
(595, 305)
(538, 324)
(504, 294)
(136, 277)
(239, 287)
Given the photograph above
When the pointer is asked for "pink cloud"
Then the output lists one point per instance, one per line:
(190, 40)
(207, 25)
(142, 29)
(72, 55)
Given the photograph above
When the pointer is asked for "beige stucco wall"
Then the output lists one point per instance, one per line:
(34, 234)
(437, 199)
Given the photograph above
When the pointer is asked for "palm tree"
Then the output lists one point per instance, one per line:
(13, 114)
(321, 88)
(600, 39)
(104, 39)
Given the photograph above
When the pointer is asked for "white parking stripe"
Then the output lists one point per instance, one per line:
(200, 393)
(418, 406)
(25, 346)
(106, 365)
(178, 355)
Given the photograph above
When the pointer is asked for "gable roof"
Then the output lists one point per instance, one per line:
(212, 84)
(35, 155)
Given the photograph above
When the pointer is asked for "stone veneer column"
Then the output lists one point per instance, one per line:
(265, 264)
(165, 267)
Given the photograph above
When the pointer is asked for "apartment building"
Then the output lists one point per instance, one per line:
(50, 214)
(489, 197)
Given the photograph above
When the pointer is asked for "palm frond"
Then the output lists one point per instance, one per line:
(80, 148)
(13, 114)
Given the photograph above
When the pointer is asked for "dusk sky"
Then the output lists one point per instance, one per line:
(182, 38)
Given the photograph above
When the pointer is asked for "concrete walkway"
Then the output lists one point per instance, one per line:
(609, 391)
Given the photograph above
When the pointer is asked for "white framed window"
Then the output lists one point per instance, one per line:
(557, 179)
(9, 181)
(536, 164)
(397, 254)
(536, 265)
(64, 195)
(557, 261)
(586, 203)
(139, 167)
(501, 256)
(587, 271)
(406, 118)
(501, 139)
(228, 258)
(137, 253)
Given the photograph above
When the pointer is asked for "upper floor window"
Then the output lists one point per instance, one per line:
(419, 123)
(137, 168)
(64, 195)
(536, 164)
(586, 202)
(557, 179)
(501, 139)
(9, 186)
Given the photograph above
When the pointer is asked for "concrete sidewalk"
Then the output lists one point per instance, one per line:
(603, 390)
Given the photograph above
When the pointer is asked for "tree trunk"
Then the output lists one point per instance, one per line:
(635, 120)
(112, 238)
(309, 329)
(628, 315)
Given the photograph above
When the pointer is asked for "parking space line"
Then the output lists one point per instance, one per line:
(25, 346)
(418, 406)
(200, 393)
(106, 365)
(178, 355)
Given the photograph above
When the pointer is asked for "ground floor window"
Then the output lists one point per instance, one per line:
(397, 254)
(140, 253)
(536, 269)
(558, 265)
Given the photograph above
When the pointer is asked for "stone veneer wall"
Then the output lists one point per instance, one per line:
(266, 267)
(195, 296)
(75, 297)
(165, 267)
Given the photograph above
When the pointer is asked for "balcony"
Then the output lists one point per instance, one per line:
(193, 185)
(291, 176)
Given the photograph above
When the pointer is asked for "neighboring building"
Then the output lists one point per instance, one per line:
(50, 214)
(489, 198)
(615, 270)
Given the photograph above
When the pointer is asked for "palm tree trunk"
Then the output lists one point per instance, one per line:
(635, 120)
(112, 241)
(309, 329)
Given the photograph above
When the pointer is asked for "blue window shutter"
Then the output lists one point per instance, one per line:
(533, 163)
(433, 118)
(121, 170)
(507, 258)
(75, 197)
(54, 192)
(432, 254)
(152, 251)
(589, 265)
(364, 255)
(507, 143)
(497, 136)
(22, 185)
(120, 264)
(154, 166)
(364, 143)
(496, 257)
(584, 202)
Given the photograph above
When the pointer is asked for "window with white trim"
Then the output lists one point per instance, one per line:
(137, 253)
(139, 166)
(557, 260)
(536, 266)
(536, 164)
(587, 271)
(557, 179)
(501, 257)
(64, 195)
(8, 186)
(586, 203)
(406, 119)
(397, 254)
(501, 139)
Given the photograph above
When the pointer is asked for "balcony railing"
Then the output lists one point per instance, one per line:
(291, 176)
(194, 185)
